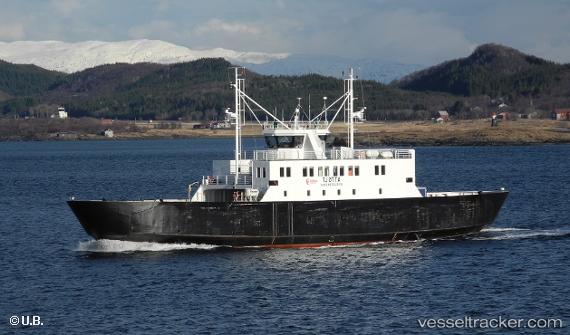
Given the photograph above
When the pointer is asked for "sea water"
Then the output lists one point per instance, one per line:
(52, 270)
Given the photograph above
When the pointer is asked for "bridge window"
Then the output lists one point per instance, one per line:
(341, 170)
(274, 142)
(357, 170)
(326, 171)
(304, 171)
(258, 172)
(320, 171)
(311, 171)
(335, 171)
(264, 173)
(288, 172)
(383, 169)
(350, 171)
(281, 172)
(376, 170)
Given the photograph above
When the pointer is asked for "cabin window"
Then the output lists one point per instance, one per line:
(335, 171)
(264, 173)
(409, 180)
(320, 171)
(311, 171)
(258, 172)
(350, 171)
(324, 192)
(274, 142)
(338, 192)
(304, 171)
(341, 171)
(383, 169)
(326, 171)
(308, 193)
(288, 172)
(357, 170)
(281, 172)
(379, 191)
(376, 170)
(271, 142)
(284, 193)
(353, 191)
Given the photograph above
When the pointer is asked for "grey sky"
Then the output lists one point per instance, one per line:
(420, 31)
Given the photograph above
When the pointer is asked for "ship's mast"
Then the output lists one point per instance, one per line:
(349, 107)
(238, 110)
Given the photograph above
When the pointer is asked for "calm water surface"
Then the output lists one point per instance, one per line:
(49, 267)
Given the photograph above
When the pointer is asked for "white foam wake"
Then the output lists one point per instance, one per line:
(519, 233)
(115, 246)
(502, 229)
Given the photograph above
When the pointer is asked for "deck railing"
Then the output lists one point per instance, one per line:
(244, 179)
(296, 125)
(335, 153)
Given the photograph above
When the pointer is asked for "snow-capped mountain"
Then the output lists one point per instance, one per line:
(73, 57)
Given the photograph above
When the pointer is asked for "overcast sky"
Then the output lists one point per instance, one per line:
(419, 32)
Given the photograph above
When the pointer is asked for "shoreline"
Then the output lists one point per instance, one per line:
(387, 133)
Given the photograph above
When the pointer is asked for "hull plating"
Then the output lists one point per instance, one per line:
(283, 224)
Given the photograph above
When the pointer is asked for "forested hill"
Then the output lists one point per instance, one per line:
(493, 70)
(20, 80)
(470, 87)
(200, 90)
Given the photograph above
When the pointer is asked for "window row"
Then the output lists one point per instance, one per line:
(335, 171)
(326, 171)
(338, 192)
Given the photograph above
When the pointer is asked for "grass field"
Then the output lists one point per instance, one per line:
(464, 132)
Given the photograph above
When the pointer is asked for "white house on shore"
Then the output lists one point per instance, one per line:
(61, 113)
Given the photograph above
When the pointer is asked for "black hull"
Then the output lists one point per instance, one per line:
(284, 224)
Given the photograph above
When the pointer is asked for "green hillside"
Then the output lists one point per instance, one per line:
(492, 70)
(470, 87)
(22, 80)
(201, 90)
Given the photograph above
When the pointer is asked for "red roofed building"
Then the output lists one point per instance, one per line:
(561, 114)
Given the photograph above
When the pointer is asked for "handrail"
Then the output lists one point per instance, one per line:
(295, 125)
(335, 153)
(243, 179)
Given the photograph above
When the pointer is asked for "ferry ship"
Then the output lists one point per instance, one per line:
(298, 192)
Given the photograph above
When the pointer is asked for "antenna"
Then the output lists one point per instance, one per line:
(325, 108)
(309, 106)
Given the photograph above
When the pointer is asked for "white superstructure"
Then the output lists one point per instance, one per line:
(297, 164)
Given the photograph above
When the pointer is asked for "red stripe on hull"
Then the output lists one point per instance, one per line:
(315, 245)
